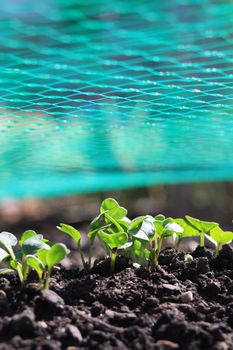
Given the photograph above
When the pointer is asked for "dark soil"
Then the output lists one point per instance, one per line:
(179, 306)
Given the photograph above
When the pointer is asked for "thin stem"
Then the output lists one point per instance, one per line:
(217, 249)
(202, 239)
(81, 255)
(20, 274)
(142, 260)
(159, 246)
(113, 262)
(46, 284)
(90, 254)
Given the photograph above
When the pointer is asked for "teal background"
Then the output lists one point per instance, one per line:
(99, 95)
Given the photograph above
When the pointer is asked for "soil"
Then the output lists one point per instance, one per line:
(181, 305)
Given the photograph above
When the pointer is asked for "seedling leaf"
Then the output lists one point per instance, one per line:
(71, 231)
(114, 240)
(26, 235)
(31, 245)
(8, 240)
(113, 209)
(36, 264)
(3, 254)
(56, 254)
(220, 236)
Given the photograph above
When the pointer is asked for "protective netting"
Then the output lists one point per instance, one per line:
(109, 94)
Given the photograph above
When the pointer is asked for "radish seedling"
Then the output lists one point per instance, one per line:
(46, 260)
(203, 227)
(219, 237)
(76, 235)
(112, 219)
(114, 241)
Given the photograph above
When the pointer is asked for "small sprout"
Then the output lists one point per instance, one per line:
(49, 258)
(188, 258)
(37, 265)
(141, 230)
(219, 237)
(114, 241)
(30, 242)
(76, 235)
(112, 219)
(203, 227)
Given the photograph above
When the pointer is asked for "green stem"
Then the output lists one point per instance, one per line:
(46, 284)
(113, 262)
(217, 249)
(142, 250)
(177, 242)
(159, 246)
(81, 255)
(20, 274)
(90, 254)
(202, 239)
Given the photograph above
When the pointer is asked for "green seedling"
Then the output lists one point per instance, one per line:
(164, 228)
(30, 243)
(113, 241)
(112, 219)
(37, 266)
(76, 235)
(219, 237)
(141, 230)
(46, 260)
(203, 227)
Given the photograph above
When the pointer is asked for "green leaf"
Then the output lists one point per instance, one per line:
(56, 254)
(36, 264)
(202, 226)
(31, 245)
(26, 235)
(71, 231)
(3, 254)
(160, 217)
(113, 209)
(114, 240)
(220, 236)
(8, 240)
(189, 230)
(42, 255)
(142, 228)
(136, 223)
(97, 223)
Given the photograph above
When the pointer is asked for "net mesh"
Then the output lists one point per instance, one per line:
(97, 95)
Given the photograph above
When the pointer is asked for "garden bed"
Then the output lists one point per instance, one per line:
(181, 305)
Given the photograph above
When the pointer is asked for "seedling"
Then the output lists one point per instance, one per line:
(141, 230)
(203, 227)
(30, 242)
(219, 237)
(113, 241)
(76, 235)
(46, 260)
(111, 221)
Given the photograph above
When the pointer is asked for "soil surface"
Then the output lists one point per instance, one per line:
(181, 305)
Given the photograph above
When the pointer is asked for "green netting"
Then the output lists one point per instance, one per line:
(100, 94)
